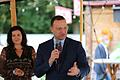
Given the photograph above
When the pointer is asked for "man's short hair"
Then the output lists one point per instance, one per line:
(58, 17)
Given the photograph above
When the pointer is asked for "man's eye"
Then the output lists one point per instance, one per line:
(59, 28)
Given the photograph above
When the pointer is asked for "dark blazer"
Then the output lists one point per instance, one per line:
(72, 51)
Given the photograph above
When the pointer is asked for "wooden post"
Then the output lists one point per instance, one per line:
(81, 19)
(13, 12)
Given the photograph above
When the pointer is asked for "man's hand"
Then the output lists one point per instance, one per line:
(54, 56)
(73, 71)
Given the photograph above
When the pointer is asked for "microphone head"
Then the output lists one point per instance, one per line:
(58, 46)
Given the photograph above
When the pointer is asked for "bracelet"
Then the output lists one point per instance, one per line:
(14, 72)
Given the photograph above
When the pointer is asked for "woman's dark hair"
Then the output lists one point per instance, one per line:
(58, 17)
(9, 36)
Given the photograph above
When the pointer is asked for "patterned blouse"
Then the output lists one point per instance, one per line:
(9, 61)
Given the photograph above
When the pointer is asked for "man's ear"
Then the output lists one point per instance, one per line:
(51, 29)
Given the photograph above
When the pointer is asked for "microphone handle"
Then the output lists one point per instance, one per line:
(57, 47)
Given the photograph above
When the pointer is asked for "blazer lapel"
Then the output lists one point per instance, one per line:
(50, 46)
(63, 54)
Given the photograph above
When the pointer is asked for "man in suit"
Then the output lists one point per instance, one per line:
(102, 52)
(67, 63)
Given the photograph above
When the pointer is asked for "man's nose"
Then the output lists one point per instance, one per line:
(63, 30)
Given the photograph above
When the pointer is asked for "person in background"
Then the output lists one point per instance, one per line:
(102, 52)
(17, 58)
(61, 58)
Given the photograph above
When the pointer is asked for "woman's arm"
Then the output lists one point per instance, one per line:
(3, 62)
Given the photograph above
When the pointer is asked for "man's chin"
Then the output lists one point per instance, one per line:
(62, 38)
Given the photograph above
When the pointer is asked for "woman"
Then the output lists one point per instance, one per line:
(17, 58)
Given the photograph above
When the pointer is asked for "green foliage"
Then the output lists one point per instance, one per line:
(33, 15)
(4, 18)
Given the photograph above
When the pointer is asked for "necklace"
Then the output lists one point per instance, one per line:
(19, 52)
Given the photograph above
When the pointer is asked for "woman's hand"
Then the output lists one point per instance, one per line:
(18, 72)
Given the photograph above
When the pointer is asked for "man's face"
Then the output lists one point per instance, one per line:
(59, 29)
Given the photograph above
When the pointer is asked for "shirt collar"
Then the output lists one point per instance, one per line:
(62, 41)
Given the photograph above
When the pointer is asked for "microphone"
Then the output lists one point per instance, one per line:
(59, 47)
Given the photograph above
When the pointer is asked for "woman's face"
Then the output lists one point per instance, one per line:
(16, 37)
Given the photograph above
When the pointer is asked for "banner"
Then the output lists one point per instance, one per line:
(65, 12)
(76, 4)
